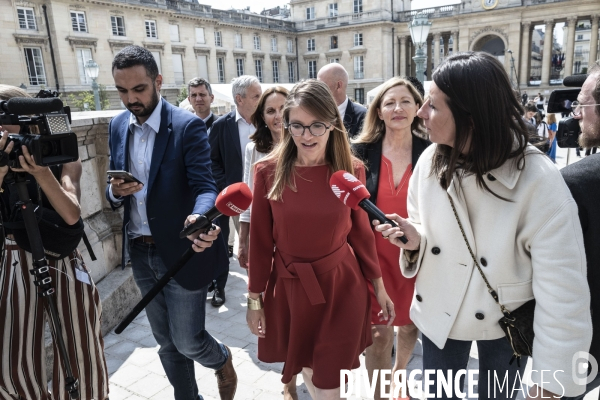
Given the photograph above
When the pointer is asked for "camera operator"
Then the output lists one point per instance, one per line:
(22, 348)
(583, 179)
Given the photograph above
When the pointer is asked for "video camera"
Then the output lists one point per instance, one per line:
(52, 142)
(567, 134)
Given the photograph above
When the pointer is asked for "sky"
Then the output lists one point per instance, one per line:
(258, 5)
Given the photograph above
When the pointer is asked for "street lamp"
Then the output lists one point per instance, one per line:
(91, 70)
(419, 29)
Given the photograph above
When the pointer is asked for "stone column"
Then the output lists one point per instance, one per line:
(429, 54)
(571, 25)
(436, 49)
(402, 55)
(455, 41)
(594, 41)
(547, 52)
(525, 58)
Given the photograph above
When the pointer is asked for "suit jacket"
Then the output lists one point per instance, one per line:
(210, 121)
(370, 154)
(179, 173)
(526, 250)
(583, 179)
(354, 118)
(226, 151)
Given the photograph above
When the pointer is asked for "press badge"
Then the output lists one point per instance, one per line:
(81, 274)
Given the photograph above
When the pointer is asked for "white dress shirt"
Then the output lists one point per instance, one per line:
(141, 144)
(245, 129)
(342, 107)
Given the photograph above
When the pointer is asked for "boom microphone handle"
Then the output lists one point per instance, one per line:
(187, 255)
(375, 213)
(202, 222)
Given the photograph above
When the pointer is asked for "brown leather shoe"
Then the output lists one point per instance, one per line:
(227, 379)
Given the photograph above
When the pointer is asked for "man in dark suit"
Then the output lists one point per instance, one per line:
(353, 114)
(166, 148)
(228, 139)
(583, 179)
(201, 97)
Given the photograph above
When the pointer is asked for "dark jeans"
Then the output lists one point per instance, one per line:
(176, 317)
(222, 270)
(494, 356)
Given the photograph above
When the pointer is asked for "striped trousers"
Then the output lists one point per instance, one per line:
(22, 323)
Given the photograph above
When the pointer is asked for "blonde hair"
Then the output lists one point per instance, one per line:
(551, 119)
(374, 128)
(7, 92)
(316, 99)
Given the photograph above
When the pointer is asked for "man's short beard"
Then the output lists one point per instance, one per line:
(146, 111)
(591, 137)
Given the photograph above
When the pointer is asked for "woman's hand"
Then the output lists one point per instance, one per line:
(7, 150)
(387, 312)
(29, 165)
(256, 318)
(393, 233)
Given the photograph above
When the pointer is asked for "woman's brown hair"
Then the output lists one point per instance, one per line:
(315, 98)
(262, 137)
(374, 128)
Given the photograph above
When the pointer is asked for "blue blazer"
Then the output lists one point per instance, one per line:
(226, 151)
(179, 172)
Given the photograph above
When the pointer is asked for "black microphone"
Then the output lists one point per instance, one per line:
(575, 80)
(26, 105)
(233, 200)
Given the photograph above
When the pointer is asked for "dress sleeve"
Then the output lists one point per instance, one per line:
(261, 232)
(362, 240)
(248, 163)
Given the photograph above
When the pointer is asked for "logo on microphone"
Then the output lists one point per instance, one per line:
(339, 192)
(350, 178)
(234, 208)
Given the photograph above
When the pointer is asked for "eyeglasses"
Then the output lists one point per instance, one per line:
(576, 107)
(315, 129)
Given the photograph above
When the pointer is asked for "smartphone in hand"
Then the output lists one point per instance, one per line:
(126, 176)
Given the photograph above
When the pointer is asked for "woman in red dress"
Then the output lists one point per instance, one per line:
(390, 145)
(310, 254)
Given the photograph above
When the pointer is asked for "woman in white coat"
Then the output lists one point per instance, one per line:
(482, 163)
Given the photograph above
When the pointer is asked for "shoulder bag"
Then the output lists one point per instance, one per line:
(517, 324)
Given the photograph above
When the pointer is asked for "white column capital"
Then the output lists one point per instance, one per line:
(571, 21)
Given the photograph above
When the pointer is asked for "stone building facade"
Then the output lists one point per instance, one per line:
(47, 43)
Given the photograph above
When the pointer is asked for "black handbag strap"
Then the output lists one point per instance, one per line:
(89, 247)
(492, 291)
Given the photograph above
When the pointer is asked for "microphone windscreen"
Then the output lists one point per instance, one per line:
(27, 105)
(575, 80)
(234, 199)
(348, 189)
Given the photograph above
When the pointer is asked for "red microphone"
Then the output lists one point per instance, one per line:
(233, 200)
(350, 191)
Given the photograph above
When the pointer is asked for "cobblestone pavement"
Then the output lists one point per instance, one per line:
(136, 372)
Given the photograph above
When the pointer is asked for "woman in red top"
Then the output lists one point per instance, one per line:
(390, 145)
(310, 254)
